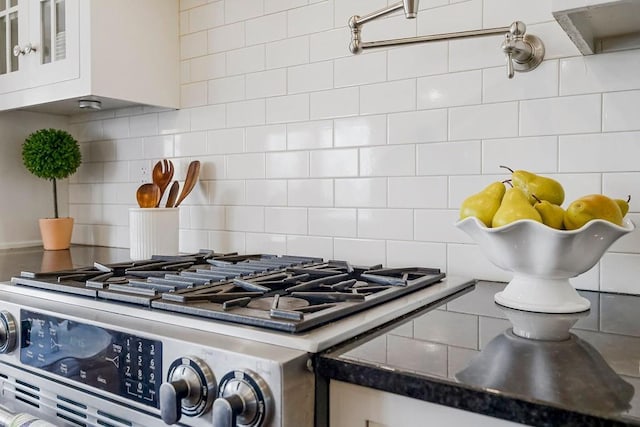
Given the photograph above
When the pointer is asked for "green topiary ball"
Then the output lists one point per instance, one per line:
(51, 154)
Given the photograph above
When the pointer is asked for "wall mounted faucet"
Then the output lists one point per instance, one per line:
(523, 52)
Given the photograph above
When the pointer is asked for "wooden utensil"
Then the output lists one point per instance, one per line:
(173, 194)
(162, 175)
(148, 195)
(190, 181)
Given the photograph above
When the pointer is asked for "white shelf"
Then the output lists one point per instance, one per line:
(597, 26)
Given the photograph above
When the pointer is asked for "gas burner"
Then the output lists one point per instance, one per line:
(287, 293)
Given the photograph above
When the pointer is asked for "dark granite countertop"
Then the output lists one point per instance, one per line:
(465, 355)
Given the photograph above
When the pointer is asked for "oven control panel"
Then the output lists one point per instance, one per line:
(117, 362)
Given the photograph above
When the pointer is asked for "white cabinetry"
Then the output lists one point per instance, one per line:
(120, 52)
(355, 406)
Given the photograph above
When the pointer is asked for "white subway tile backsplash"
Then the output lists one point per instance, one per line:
(388, 97)
(357, 131)
(266, 83)
(359, 251)
(293, 164)
(417, 60)
(614, 152)
(246, 166)
(418, 126)
(227, 89)
(332, 222)
(310, 192)
(361, 192)
(310, 77)
(285, 220)
(484, 121)
(310, 19)
(266, 138)
(541, 84)
(396, 160)
(538, 154)
(333, 163)
(288, 52)
(385, 224)
(290, 108)
(246, 60)
(605, 72)
(321, 247)
(620, 110)
(462, 16)
(418, 192)
(360, 69)
(573, 114)
(310, 135)
(449, 90)
(335, 103)
(245, 218)
(269, 192)
(266, 28)
(239, 10)
(411, 254)
(461, 157)
(246, 113)
(224, 141)
(308, 149)
(190, 144)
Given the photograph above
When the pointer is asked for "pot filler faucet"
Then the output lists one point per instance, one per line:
(523, 52)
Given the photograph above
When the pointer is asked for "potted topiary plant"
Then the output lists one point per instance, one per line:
(52, 154)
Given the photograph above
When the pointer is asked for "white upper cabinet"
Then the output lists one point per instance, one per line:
(55, 53)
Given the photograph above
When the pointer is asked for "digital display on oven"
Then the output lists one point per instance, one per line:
(120, 363)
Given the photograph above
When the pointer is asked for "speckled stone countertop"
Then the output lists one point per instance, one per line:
(465, 355)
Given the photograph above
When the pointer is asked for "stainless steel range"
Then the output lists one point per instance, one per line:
(196, 340)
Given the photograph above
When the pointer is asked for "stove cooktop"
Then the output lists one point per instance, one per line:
(285, 293)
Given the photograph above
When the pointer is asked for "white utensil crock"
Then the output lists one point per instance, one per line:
(153, 231)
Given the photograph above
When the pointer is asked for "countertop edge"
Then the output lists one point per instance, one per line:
(459, 396)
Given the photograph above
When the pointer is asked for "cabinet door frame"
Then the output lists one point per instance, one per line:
(17, 80)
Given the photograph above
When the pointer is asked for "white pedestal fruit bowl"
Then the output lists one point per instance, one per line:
(543, 259)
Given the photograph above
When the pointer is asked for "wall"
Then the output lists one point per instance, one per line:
(309, 149)
(25, 198)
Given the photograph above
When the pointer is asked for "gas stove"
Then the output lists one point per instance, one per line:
(194, 338)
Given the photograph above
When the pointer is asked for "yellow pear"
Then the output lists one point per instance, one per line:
(623, 205)
(483, 205)
(543, 187)
(515, 205)
(593, 206)
(552, 215)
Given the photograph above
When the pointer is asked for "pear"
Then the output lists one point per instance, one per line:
(515, 205)
(623, 205)
(543, 187)
(483, 205)
(552, 215)
(593, 206)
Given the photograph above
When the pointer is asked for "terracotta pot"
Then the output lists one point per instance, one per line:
(56, 233)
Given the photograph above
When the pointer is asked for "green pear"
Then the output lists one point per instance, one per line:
(515, 205)
(543, 187)
(483, 205)
(593, 206)
(623, 205)
(552, 215)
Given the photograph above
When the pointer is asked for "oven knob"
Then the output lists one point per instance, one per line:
(189, 390)
(8, 332)
(244, 401)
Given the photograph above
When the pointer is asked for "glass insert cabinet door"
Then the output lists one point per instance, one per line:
(11, 20)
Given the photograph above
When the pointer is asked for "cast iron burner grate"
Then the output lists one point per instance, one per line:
(286, 293)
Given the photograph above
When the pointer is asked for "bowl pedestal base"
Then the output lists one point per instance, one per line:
(541, 295)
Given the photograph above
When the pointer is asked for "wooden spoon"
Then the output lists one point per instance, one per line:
(162, 175)
(190, 181)
(173, 194)
(148, 195)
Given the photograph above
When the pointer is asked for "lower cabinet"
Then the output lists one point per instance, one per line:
(356, 406)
